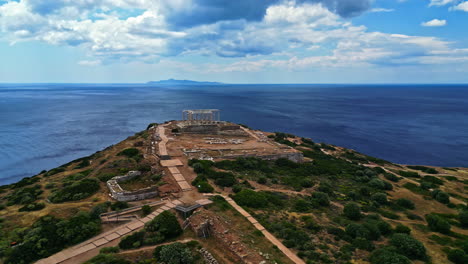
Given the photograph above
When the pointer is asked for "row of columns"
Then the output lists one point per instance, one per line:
(212, 116)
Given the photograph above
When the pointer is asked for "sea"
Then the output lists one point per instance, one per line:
(43, 126)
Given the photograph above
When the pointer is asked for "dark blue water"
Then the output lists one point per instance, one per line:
(44, 126)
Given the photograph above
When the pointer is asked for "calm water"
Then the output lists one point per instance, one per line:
(44, 126)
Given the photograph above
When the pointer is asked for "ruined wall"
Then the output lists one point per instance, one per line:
(122, 195)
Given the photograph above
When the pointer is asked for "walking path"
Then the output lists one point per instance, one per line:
(171, 164)
(103, 239)
(293, 257)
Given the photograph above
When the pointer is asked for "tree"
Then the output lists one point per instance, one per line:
(146, 209)
(380, 198)
(247, 197)
(405, 203)
(387, 256)
(165, 226)
(352, 211)
(440, 196)
(457, 256)
(463, 218)
(321, 198)
(176, 253)
(408, 246)
(437, 224)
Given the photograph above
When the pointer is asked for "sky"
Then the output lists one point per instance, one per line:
(234, 41)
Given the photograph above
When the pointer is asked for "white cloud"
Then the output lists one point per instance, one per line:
(287, 37)
(441, 2)
(380, 10)
(462, 6)
(434, 23)
(89, 62)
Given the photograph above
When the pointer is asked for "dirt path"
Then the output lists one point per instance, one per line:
(286, 251)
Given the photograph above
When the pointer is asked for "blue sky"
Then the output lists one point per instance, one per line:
(242, 41)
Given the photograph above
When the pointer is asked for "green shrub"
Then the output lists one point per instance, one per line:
(440, 196)
(402, 229)
(250, 198)
(129, 152)
(380, 198)
(405, 203)
(408, 246)
(409, 174)
(424, 169)
(321, 198)
(437, 224)
(352, 211)
(32, 207)
(107, 259)
(463, 218)
(175, 253)
(107, 250)
(106, 176)
(301, 205)
(118, 205)
(391, 177)
(388, 256)
(76, 191)
(49, 235)
(457, 256)
(24, 195)
(134, 240)
(146, 209)
(433, 180)
(204, 187)
(164, 226)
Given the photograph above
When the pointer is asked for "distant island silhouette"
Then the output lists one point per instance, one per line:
(182, 82)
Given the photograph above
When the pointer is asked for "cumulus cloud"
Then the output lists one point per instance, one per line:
(462, 6)
(441, 2)
(268, 33)
(434, 23)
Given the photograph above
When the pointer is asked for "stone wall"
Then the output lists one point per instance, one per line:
(122, 195)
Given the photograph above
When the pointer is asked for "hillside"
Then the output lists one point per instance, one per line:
(334, 206)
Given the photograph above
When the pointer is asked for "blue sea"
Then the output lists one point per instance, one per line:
(45, 125)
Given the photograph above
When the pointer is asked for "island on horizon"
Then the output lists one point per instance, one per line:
(182, 82)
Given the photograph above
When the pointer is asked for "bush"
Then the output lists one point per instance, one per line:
(352, 211)
(388, 256)
(463, 218)
(107, 259)
(408, 246)
(424, 169)
(437, 224)
(409, 174)
(321, 198)
(405, 203)
(176, 253)
(457, 256)
(391, 177)
(117, 206)
(164, 226)
(134, 240)
(32, 207)
(402, 229)
(250, 198)
(129, 152)
(76, 191)
(380, 198)
(146, 209)
(440, 196)
(204, 187)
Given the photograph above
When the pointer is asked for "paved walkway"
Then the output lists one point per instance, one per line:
(103, 239)
(171, 164)
(293, 257)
